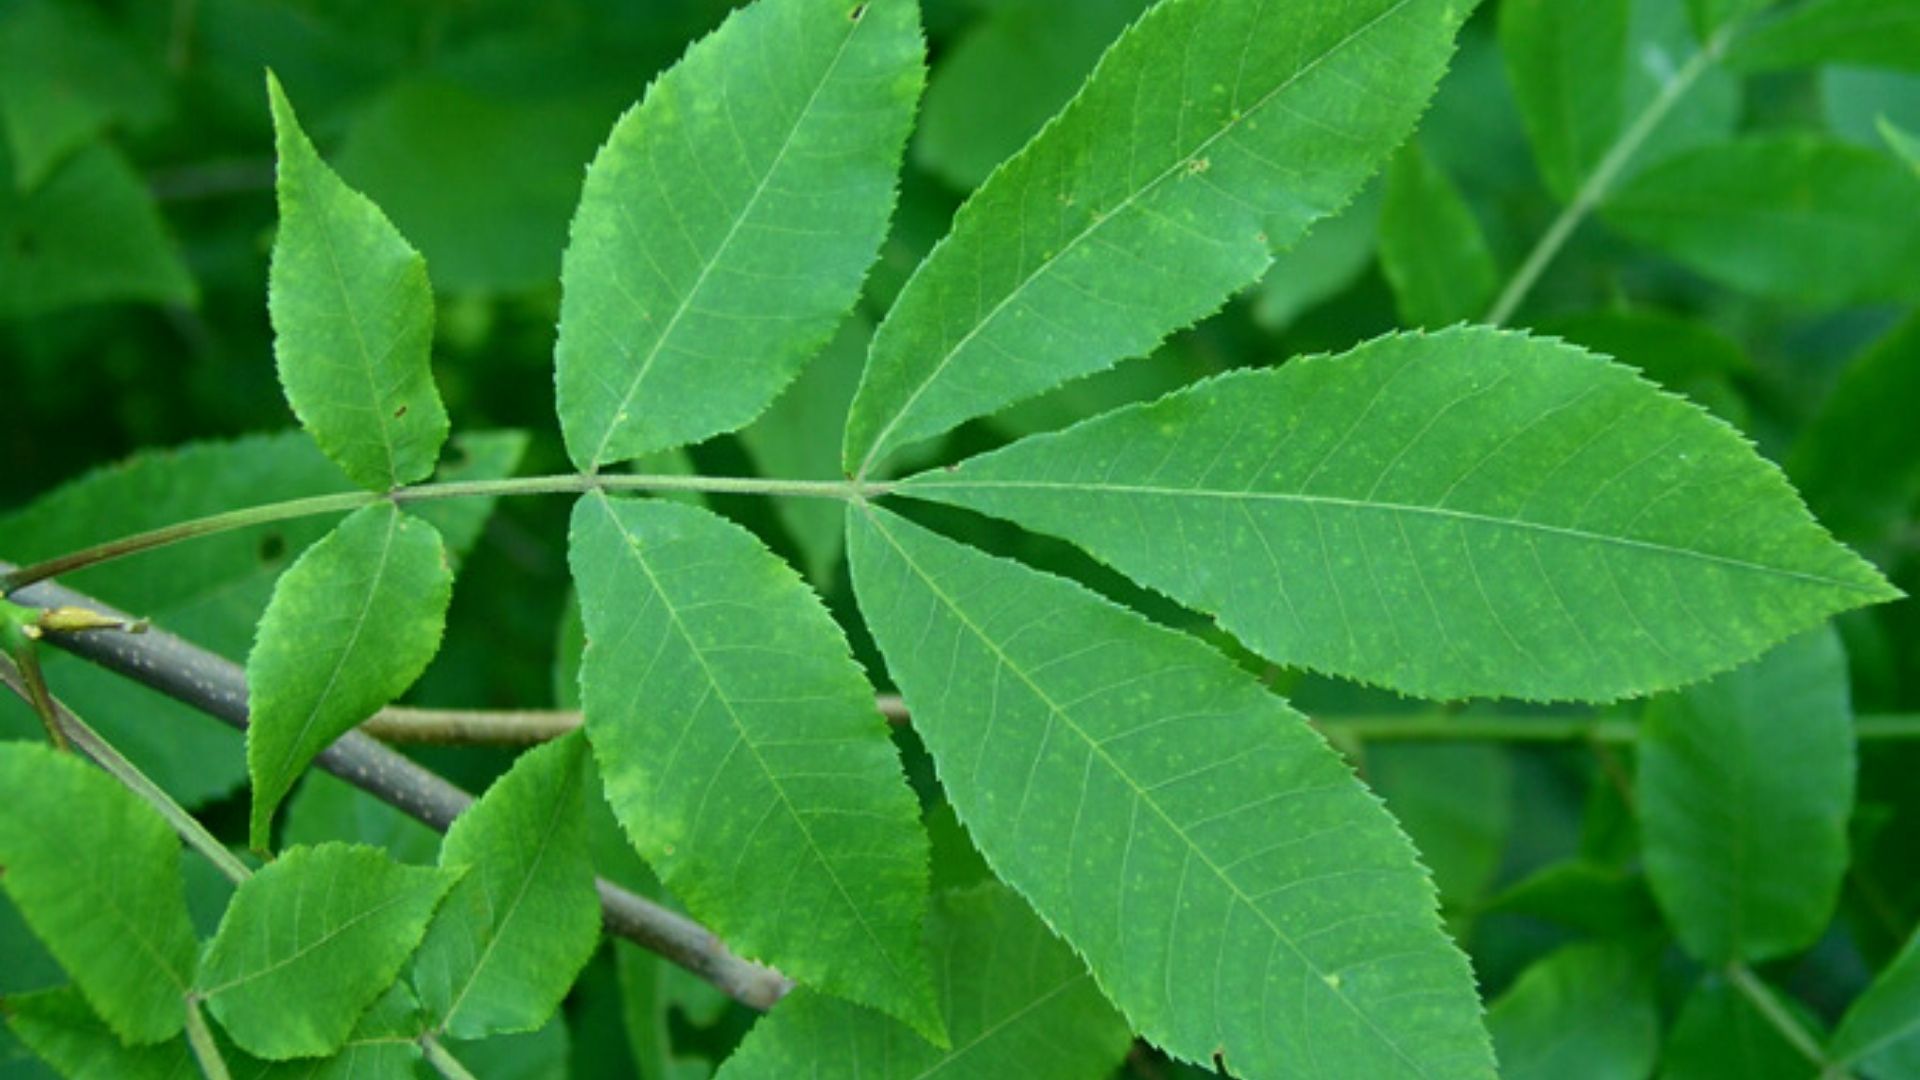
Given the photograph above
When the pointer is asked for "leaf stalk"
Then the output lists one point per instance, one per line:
(200, 1038)
(343, 502)
(524, 727)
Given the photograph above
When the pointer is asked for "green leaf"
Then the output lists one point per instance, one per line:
(1719, 1034)
(1744, 788)
(385, 1042)
(1793, 217)
(1234, 889)
(997, 85)
(1566, 63)
(351, 625)
(729, 220)
(352, 320)
(1431, 248)
(1210, 135)
(1864, 420)
(742, 752)
(213, 590)
(59, 1027)
(1881, 1030)
(88, 234)
(1867, 33)
(310, 942)
(1017, 1002)
(66, 76)
(95, 873)
(1584, 1013)
(520, 925)
(1471, 512)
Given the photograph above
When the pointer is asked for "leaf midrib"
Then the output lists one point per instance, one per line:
(1177, 168)
(1414, 509)
(720, 249)
(1145, 796)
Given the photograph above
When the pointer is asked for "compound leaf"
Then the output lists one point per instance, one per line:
(1017, 1002)
(1864, 33)
(1210, 135)
(58, 1026)
(310, 942)
(352, 318)
(1471, 512)
(1586, 1011)
(1880, 1030)
(729, 220)
(95, 873)
(1745, 785)
(1232, 886)
(351, 625)
(1794, 217)
(523, 920)
(741, 750)
(1431, 248)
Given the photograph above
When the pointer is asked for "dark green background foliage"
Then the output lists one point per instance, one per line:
(1717, 879)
